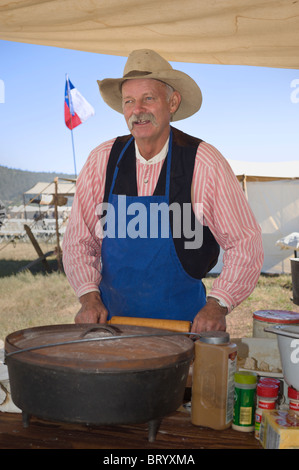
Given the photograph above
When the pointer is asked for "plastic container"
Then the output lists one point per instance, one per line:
(214, 368)
(266, 399)
(293, 396)
(244, 406)
(270, 380)
(267, 318)
(293, 416)
(281, 388)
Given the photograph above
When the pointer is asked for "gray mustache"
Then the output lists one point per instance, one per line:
(141, 117)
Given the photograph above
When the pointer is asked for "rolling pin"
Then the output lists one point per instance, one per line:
(172, 325)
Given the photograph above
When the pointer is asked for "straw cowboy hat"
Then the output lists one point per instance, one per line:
(145, 63)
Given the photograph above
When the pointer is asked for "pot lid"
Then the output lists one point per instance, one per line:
(277, 316)
(98, 347)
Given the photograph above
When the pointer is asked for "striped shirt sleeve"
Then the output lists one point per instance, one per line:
(232, 222)
(81, 243)
(225, 210)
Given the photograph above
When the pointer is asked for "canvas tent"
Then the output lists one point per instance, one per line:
(50, 194)
(48, 189)
(272, 190)
(248, 32)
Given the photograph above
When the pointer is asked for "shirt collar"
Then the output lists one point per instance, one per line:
(156, 159)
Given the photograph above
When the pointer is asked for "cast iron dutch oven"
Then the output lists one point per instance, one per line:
(98, 374)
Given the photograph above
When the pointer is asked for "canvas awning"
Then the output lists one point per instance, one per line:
(63, 189)
(265, 171)
(247, 32)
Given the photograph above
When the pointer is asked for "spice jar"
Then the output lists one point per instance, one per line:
(214, 367)
(281, 398)
(270, 380)
(293, 395)
(267, 394)
(293, 415)
(244, 407)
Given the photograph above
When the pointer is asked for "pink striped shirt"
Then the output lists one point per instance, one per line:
(225, 210)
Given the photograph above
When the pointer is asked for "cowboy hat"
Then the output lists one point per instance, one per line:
(145, 63)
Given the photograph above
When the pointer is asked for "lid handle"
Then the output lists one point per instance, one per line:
(283, 331)
(111, 329)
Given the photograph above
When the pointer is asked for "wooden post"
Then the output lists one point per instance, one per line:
(25, 213)
(37, 247)
(58, 250)
(244, 186)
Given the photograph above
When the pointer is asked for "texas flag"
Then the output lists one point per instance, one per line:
(76, 108)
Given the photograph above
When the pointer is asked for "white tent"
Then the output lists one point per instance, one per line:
(63, 189)
(272, 190)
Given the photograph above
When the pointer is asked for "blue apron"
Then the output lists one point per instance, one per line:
(143, 276)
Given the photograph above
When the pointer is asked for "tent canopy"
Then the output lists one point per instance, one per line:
(265, 171)
(63, 189)
(248, 32)
(272, 190)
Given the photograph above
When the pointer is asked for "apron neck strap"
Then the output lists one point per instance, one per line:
(167, 186)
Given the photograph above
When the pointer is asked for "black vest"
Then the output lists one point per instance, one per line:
(196, 262)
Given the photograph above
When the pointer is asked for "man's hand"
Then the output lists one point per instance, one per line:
(92, 310)
(210, 318)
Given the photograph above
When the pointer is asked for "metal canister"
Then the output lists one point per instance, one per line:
(266, 318)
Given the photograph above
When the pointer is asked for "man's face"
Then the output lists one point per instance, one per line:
(147, 107)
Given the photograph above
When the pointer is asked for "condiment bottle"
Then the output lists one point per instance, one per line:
(293, 414)
(279, 383)
(244, 407)
(214, 367)
(293, 395)
(267, 394)
(270, 380)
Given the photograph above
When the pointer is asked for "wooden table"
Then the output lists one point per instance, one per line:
(175, 432)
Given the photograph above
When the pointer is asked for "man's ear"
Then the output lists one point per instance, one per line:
(175, 102)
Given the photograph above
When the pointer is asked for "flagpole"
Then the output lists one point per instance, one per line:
(69, 98)
(74, 156)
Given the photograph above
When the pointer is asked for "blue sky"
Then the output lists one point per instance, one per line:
(248, 113)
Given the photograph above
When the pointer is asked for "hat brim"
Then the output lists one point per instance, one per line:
(110, 89)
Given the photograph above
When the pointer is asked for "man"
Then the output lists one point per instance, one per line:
(116, 259)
